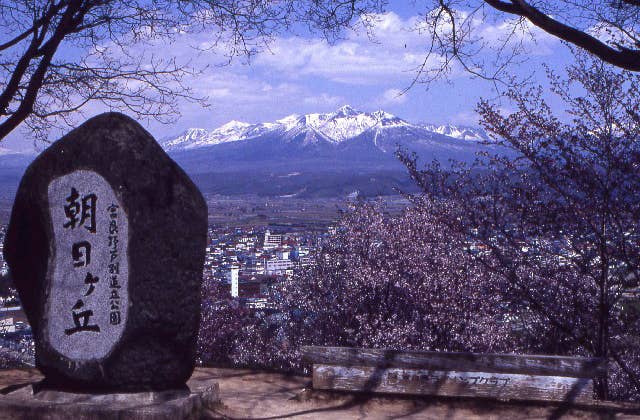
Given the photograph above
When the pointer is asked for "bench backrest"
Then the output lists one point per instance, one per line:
(502, 376)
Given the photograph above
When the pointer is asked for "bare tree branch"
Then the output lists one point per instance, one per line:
(608, 30)
(41, 87)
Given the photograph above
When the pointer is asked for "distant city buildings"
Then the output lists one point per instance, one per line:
(15, 332)
(248, 262)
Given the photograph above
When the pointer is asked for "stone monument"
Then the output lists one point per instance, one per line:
(106, 247)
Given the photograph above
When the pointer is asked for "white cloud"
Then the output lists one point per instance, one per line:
(392, 96)
(516, 34)
(386, 55)
(470, 118)
(324, 100)
(347, 62)
(393, 50)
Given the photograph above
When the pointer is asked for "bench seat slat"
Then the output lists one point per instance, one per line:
(452, 383)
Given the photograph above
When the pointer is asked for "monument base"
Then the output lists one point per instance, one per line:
(24, 403)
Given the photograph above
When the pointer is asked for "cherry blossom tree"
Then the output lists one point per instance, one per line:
(232, 335)
(558, 214)
(221, 325)
(400, 283)
(379, 282)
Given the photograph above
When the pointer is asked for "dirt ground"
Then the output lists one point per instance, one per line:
(247, 394)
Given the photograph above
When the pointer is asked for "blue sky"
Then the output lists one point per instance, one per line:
(305, 73)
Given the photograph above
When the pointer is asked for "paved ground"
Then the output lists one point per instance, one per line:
(249, 394)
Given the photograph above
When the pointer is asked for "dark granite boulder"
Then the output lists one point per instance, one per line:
(106, 246)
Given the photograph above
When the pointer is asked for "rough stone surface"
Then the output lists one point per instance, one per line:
(162, 228)
(28, 402)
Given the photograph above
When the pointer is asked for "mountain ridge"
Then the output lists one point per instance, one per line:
(331, 154)
(334, 127)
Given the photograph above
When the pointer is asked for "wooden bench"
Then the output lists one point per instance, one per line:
(501, 376)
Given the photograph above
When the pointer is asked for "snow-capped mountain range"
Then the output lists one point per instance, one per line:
(335, 127)
(312, 155)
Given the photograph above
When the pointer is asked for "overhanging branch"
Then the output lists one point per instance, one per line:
(622, 57)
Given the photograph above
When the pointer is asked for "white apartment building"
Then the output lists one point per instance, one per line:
(271, 241)
(232, 275)
(278, 266)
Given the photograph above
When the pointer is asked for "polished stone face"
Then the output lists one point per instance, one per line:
(86, 308)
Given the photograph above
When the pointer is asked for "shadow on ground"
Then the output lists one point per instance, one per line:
(260, 395)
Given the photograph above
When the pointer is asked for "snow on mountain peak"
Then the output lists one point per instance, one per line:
(386, 119)
(194, 133)
(381, 115)
(345, 123)
(458, 132)
(187, 137)
(315, 120)
(346, 111)
(231, 131)
(233, 125)
(289, 121)
(342, 124)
